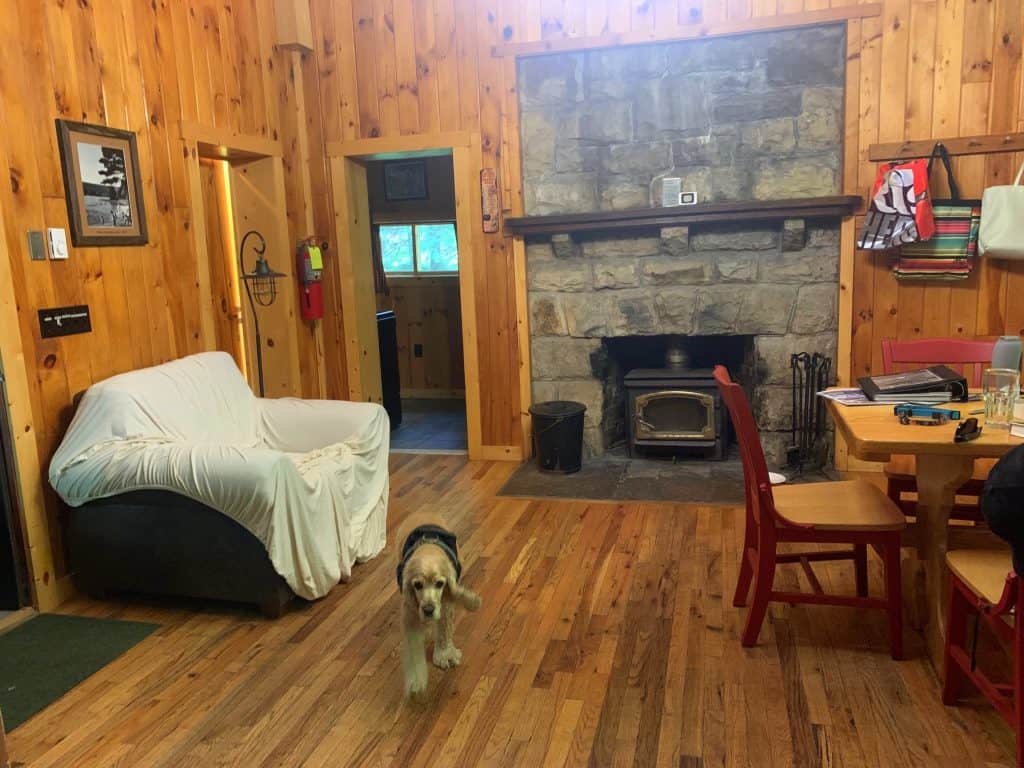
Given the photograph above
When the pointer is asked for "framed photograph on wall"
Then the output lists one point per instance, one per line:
(102, 185)
(405, 180)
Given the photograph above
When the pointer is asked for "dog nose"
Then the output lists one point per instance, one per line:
(428, 610)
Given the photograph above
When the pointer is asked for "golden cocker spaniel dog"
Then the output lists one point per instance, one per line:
(428, 576)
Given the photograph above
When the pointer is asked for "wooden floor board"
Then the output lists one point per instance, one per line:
(607, 637)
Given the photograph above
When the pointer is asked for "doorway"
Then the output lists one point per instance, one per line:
(419, 317)
(239, 214)
(434, 300)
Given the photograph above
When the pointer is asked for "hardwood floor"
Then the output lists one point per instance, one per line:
(606, 638)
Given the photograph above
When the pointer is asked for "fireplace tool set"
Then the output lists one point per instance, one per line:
(811, 374)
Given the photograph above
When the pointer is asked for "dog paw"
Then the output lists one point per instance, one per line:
(416, 690)
(446, 658)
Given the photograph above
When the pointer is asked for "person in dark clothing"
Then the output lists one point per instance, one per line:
(1002, 503)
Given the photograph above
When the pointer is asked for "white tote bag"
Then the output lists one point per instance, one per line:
(1002, 221)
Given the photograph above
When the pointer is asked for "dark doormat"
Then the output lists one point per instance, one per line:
(617, 477)
(50, 654)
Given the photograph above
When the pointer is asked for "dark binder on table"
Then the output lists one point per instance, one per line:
(936, 384)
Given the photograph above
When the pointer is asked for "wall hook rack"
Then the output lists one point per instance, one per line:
(965, 145)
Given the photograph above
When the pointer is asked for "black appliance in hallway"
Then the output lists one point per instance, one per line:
(387, 339)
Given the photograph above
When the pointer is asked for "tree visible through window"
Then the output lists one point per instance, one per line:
(418, 248)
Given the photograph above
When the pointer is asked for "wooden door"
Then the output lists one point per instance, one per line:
(355, 264)
(257, 203)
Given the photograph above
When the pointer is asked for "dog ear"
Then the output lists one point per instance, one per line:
(467, 598)
(408, 593)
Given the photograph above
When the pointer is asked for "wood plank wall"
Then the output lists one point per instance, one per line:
(400, 67)
(951, 67)
(428, 314)
(936, 68)
(143, 65)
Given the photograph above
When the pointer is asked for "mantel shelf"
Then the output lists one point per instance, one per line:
(674, 216)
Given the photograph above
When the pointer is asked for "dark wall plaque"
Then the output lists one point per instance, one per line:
(64, 321)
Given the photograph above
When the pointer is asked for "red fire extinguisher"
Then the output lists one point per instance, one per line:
(310, 266)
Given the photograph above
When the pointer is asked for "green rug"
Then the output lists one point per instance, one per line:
(50, 654)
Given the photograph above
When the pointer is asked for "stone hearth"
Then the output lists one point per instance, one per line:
(754, 117)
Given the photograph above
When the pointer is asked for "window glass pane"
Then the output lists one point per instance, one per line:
(396, 248)
(436, 248)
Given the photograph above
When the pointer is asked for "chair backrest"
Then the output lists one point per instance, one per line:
(898, 356)
(755, 470)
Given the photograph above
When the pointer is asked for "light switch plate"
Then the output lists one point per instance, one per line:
(58, 243)
(36, 245)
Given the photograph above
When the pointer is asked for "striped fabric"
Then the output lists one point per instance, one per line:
(949, 254)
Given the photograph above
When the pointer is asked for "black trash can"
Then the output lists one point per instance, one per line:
(558, 435)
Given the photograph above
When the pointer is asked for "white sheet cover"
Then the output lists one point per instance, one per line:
(309, 478)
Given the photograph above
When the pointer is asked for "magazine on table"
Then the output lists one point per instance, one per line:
(855, 396)
(849, 396)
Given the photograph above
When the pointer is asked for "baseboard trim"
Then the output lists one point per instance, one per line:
(500, 453)
(433, 394)
(432, 451)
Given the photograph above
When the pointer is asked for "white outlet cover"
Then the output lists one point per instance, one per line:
(58, 240)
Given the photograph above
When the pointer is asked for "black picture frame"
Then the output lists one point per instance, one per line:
(102, 185)
(405, 180)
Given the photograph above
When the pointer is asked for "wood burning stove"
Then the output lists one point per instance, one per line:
(675, 407)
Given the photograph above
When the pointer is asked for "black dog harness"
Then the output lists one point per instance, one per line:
(430, 534)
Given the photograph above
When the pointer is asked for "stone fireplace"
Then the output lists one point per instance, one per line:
(741, 296)
(756, 117)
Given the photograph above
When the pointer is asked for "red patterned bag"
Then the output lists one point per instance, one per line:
(901, 207)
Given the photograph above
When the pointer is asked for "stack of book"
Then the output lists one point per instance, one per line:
(928, 386)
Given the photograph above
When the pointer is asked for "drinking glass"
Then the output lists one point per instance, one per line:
(1000, 387)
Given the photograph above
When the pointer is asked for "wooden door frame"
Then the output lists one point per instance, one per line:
(351, 207)
(29, 477)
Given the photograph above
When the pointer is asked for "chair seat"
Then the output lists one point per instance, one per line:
(851, 505)
(901, 467)
(983, 571)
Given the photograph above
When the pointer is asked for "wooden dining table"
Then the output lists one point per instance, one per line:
(874, 433)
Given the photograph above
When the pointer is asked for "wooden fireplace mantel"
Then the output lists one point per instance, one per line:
(759, 211)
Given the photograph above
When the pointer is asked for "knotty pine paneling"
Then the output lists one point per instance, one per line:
(142, 65)
(938, 68)
(428, 314)
(923, 68)
(418, 66)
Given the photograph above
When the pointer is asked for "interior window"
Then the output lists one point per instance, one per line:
(419, 248)
(396, 248)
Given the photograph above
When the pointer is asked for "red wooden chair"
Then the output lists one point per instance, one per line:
(849, 512)
(897, 356)
(983, 583)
